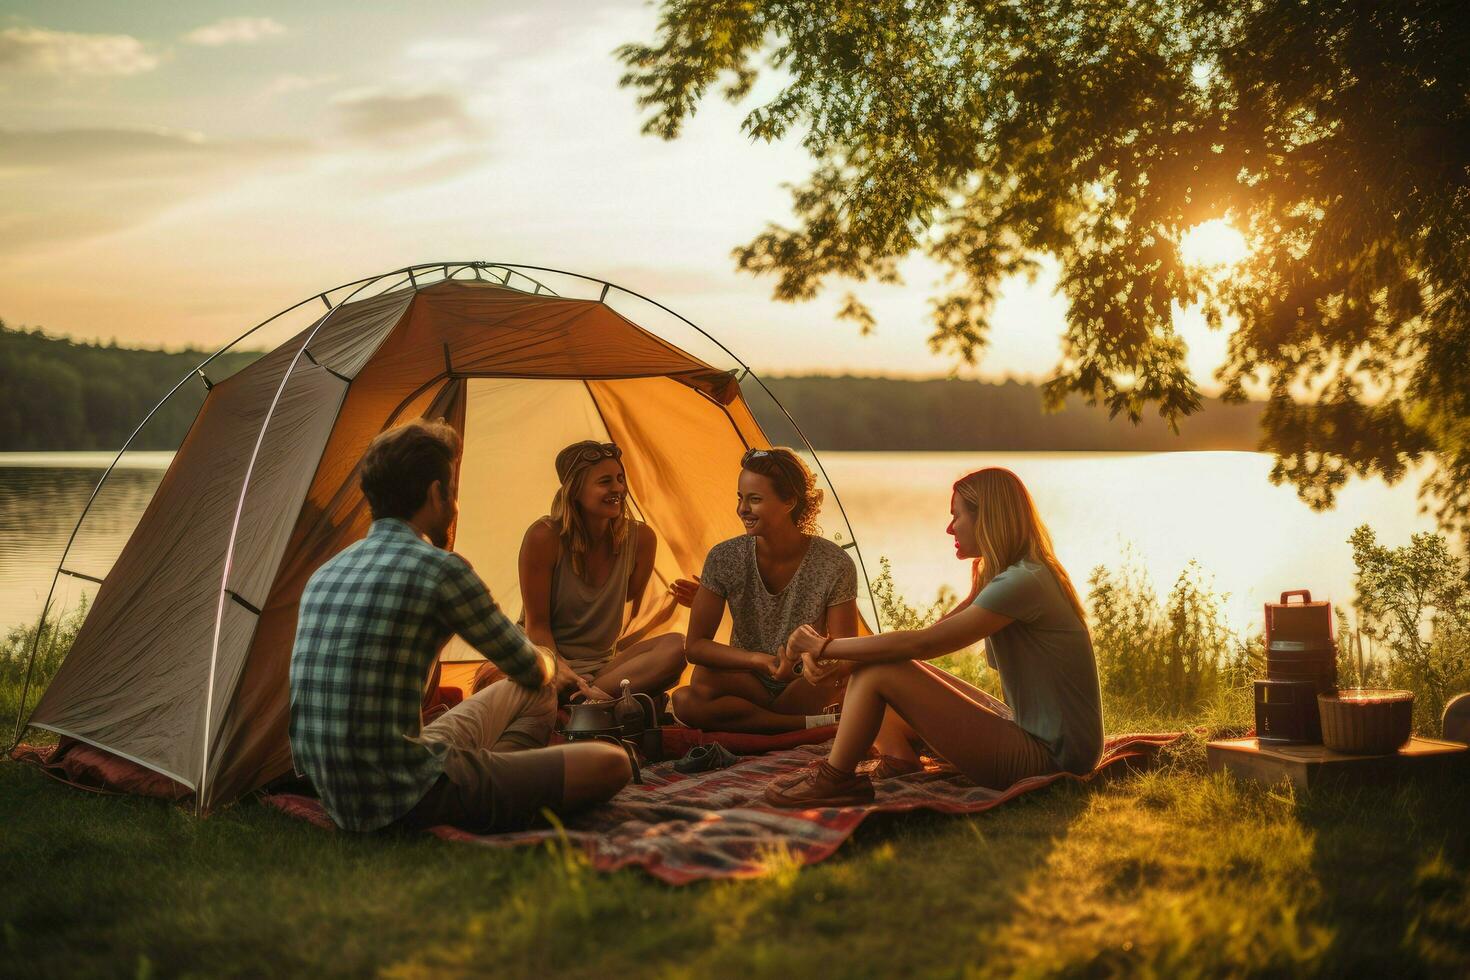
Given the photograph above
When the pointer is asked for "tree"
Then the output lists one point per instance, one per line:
(1415, 601)
(1336, 137)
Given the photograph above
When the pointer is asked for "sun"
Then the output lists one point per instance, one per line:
(1213, 243)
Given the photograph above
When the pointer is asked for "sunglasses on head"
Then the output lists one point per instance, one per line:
(751, 454)
(592, 454)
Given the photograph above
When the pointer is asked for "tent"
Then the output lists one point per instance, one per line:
(181, 665)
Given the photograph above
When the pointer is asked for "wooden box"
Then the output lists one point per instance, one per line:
(1307, 766)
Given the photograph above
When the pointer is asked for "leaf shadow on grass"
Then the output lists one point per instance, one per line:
(1394, 867)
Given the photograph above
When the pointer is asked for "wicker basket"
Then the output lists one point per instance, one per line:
(1366, 721)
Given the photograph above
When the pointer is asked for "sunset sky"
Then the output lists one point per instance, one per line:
(173, 173)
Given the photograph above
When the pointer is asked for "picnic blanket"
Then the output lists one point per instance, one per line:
(683, 828)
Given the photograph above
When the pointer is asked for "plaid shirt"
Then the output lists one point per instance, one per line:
(372, 621)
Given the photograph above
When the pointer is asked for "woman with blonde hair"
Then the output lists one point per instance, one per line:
(1025, 608)
(582, 565)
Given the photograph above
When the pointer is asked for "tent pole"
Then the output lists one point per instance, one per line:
(224, 591)
(25, 689)
(197, 370)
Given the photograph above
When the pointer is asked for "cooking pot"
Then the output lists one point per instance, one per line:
(630, 721)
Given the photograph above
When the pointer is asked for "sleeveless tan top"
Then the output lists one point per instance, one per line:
(587, 620)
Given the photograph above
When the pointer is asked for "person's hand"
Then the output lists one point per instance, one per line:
(804, 639)
(782, 668)
(567, 679)
(822, 672)
(684, 590)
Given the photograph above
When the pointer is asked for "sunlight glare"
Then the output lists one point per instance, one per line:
(1212, 243)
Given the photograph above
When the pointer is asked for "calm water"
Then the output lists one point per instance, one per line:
(1168, 508)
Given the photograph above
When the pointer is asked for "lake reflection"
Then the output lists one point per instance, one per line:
(1217, 508)
(41, 496)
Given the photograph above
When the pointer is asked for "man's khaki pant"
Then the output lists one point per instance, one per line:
(503, 717)
(497, 774)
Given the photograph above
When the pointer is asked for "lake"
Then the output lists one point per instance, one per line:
(1216, 508)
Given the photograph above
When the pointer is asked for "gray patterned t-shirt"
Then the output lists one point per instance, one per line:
(761, 622)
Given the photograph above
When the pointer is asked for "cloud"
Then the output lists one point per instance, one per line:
(451, 62)
(235, 30)
(288, 83)
(102, 150)
(83, 183)
(37, 50)
(386, 116)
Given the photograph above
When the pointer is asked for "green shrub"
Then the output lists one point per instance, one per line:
(51, 646)
(1413, 603)
(1166, 659)
(896, 613)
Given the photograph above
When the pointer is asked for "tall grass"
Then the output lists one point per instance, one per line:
(51, 646)
(1173, 662)
(1169, 665)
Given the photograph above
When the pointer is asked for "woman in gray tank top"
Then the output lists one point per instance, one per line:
(580, 568)
(1024, 607)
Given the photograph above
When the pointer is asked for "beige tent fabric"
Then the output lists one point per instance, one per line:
(520, 374)
(682, 454)
(135, 678)
(473, 328)
(252, 745)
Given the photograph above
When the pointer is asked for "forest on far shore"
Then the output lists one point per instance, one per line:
(58, 394)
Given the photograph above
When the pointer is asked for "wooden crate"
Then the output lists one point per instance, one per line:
(1313, 765)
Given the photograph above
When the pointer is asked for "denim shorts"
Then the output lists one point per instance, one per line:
(772, 685)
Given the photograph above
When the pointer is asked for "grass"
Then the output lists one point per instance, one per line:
(1173, 872)
(1170, 872)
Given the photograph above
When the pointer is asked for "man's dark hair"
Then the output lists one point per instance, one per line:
(400, 464)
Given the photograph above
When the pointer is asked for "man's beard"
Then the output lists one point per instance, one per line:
(439, 537)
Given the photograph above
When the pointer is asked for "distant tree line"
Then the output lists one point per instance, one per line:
(894, 414)
(58, 394)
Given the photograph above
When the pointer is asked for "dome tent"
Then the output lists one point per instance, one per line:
(181, 665)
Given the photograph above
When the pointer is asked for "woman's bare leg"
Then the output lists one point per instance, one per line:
(734, 701)
(896, 738)
(652, 666)
(959, 728)
(995, 704)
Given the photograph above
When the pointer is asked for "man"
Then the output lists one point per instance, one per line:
(373, 620)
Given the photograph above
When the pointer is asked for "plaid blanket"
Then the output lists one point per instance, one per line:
(683, 828)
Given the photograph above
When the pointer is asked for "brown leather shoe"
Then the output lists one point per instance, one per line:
(821, 786)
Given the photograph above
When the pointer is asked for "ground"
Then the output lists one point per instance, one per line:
(1174, 872)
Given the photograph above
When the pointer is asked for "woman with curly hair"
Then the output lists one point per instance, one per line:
(778, 575)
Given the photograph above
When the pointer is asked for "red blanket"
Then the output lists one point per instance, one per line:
(682, 828)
